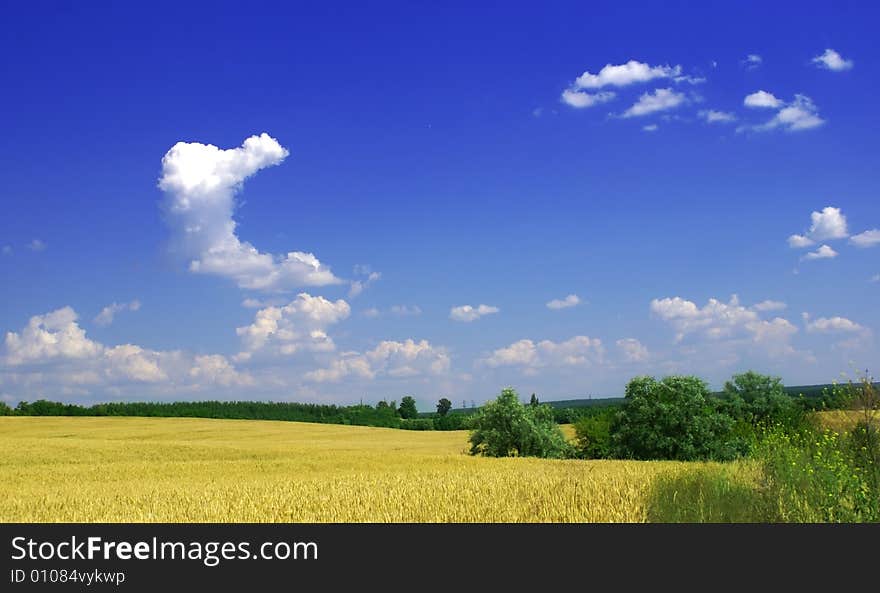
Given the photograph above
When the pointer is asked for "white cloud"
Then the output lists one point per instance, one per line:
(571, 300)
(50, 336)
(53, 351)
(731, 323)
(800, 114)
(651, 128)
(372, 313)
(752, 61)
(577, 351)
(875, 278)
(467, 313)
(830, 223)
(7, 250)
(625, 74)
(659, 100)
(798, 241)
(37, 245)
(580, 99)
(769, 306)
(824, 252)
(633, 350)
(762, 99)
(200, 182)
(712, 116)
(405, 310)
(108, 313)
(866, 239)
(358, 286)
(831, 60)
(299, 325)
(830, 325)
(389, 359)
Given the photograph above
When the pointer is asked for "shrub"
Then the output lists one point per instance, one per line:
(761, 399)
(594, 435)
(5, 410)
(417, 424)
(452, 421)
(505, 427)
(673, 418)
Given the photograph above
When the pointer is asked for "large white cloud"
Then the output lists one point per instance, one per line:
(829, 223)
(625, 74)
(390, 358)
(298, 325)
(659, 100)
(200, 182)
(52, 353)
(532, 356)
(830, 325)
(800, 114)
(831, 60)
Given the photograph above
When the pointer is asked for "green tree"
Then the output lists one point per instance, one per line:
(757, 398)
(673, 418)
(407, 407)
(534, 400)
(5, 410)
(505, 427)
(443, 406)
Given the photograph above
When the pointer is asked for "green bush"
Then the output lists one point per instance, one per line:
(673, 418)
(5, 410)
(452, 421)
(505, 427)
(594, 435)
(761, 399)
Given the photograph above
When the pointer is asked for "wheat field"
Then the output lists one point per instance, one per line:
(197, 470)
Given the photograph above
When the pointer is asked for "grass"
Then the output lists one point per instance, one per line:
(197, 470)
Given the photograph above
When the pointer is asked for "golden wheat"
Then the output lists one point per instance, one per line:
(194, 470)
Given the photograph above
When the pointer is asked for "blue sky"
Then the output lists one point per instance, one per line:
(670, 167)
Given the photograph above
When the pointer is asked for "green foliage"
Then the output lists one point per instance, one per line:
(454, 421)
(761, 399)
(706, 495)
(505, 427)
(5, 410)
(673, 418)
(443, 406)
(408, 408)
(417, 424)
(594, 434)
(533, 401)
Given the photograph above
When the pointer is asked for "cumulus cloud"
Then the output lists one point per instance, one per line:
(824, 252)
(831, 60)
(712, 116)
(200, 182)
(828, 224)
(389, 359)
(800, 114)
(831, 325)
(37, 245)
(571, 300)
(581, 99)
(866, 239)
(762, 99)
(468, 313)
(54, 352)
(632, 350)
(531, 356)
(299, 325)
(625, 74)
(108, 313)
(659, 100)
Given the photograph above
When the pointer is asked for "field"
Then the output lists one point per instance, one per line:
(194, 470)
